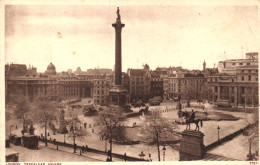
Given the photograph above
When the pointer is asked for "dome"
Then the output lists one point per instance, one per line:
(51, 70)
(51, 67)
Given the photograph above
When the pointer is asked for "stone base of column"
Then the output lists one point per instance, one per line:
(117, 96)
(191, 146)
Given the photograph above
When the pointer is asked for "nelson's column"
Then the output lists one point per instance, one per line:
(118, 93)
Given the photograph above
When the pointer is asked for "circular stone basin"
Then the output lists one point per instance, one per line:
(217, 116)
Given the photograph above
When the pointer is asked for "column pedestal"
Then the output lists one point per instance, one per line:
(192, 146)
(117, 96)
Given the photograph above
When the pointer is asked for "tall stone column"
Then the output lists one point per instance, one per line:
(118, 65)
(218, 92)
(235, 96)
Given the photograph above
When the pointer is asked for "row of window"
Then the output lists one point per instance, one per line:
(249, 78)
(249, 71)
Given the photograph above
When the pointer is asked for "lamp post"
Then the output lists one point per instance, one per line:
(150, 158)
(106, 146)
(11, 129)
(218, 132)
(164, 149)
(64, 138)
(142, 155)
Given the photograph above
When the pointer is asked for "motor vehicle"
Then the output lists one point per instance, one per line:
(223, 103)
(154, 102)
(30, 141)
(11, 155)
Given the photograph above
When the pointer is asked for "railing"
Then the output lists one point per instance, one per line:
(226, 138)
(127, 158)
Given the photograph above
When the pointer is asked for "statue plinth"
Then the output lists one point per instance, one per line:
(192, 146)
(118, 96)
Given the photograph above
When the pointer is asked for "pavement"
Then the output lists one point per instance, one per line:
(48, 154)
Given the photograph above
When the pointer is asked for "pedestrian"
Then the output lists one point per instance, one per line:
(83, 149)
(85, 125)
(75, 147)
(125, 156)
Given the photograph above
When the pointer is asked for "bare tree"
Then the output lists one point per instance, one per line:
(110, 120)
(22, 110)
(156, 129)
(189, 94)
(76, 130)
(45, 113)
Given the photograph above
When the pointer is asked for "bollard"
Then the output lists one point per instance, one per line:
(57, 147)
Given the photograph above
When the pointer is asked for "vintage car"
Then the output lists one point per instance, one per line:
(15, 140)
(223, 103)
(30, 141)
(154, 101)
(11, 155)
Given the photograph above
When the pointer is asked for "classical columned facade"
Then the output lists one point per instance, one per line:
(238, 89)
(48, 87)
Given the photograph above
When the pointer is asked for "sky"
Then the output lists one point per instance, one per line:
(161, 36)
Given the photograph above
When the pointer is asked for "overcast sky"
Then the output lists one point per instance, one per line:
(157, 35)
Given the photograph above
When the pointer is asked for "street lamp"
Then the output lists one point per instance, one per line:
(218, 132)
(150, 158)
(142, 155)
(11, 128)
(164, 149)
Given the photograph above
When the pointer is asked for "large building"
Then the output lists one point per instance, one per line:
(182, 86)
(139, 85)
(236, 82)
(156, 84)
(58, 86)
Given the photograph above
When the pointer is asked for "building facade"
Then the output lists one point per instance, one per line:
(240, 89)
(181, 87)
(139, 85)
(156, 85)
(58, 86)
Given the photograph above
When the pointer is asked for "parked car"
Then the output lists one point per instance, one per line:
(11, 155)
(15, 140)
(158, 98)
(154, 102)
(139, 103)
(30, 141)
(223, 103)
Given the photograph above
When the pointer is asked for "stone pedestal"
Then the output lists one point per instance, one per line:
(192, 147)
(117, 96)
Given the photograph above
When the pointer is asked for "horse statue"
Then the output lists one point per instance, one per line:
(191, 119)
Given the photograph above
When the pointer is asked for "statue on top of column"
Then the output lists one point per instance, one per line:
(118, 15)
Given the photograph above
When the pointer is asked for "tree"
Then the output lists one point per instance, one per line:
(22, 110)
(45, 113)
(110, 119)
(76, 130)
(157, 130)
(189, 94)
